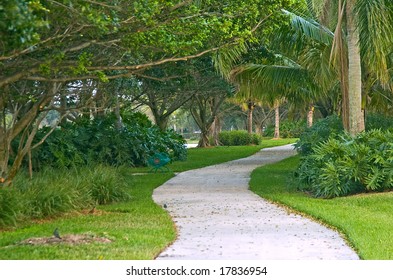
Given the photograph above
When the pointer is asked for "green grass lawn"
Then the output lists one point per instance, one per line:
(365, 219)
(139, 229)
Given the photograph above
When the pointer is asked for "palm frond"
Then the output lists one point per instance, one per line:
(375, 24)
(310, 28)
(226, 58)
(273, 80)
(317, 61)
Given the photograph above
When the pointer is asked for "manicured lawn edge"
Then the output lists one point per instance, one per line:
(364, 220)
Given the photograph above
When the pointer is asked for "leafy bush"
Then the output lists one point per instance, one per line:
(288, 129)
(332, 127)
(378, 121)
(346, 165)
(319, 132)
(99, 141)
(238, 138)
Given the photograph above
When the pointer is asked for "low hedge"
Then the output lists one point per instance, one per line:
(238, 138)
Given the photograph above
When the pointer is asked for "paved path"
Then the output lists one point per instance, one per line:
(217, 217)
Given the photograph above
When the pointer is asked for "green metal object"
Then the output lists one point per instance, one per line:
(158, 162)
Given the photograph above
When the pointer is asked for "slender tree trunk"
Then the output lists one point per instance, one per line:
(310, 115)
(277, 119)
(28, 126)
(215, 130)
(160, 119)
(356, 124)
(250, 109)
(343, 70)
(119, 120)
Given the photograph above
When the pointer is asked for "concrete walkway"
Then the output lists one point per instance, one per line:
(217, 217)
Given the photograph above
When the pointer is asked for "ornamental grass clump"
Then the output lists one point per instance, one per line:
(57, 191)
(345, 165)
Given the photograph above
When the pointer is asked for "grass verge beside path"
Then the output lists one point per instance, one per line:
(139, 229)
(365, 220)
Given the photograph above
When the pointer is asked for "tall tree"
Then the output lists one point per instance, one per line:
(173, 85)
(358, 43)
(211, 91)
(64, 41)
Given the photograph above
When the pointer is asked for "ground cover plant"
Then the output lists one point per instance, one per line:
(137, 229)
(364, 219)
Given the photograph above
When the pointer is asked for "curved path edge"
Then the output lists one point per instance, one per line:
(219, 218)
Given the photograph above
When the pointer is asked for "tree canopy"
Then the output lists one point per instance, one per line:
(74, 39)
(49, 47)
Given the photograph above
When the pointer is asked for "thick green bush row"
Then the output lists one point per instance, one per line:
(59, 191)
(238, 138)
(99, 141)
(344, 165)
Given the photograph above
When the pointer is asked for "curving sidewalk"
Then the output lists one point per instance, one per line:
(217, 217)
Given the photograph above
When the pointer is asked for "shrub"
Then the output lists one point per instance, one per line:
(53, 192)
(346, 165)
(378, 121)
(256, 139)
(238, 138)
(10, 207)
(319, 132)
(332, 127)
(106, 186)
(98, 141)
(288, 129)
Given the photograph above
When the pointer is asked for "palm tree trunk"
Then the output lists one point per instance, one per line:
(250, 109)
(277, 119)
(356, 124)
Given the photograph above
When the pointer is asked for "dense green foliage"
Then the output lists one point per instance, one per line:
(57, 191)
(20, 22)
(365, 219)
(238, 138)
(60, 55)
(346, 165)
(336, 164)
(66, 38)
(99, 141)
(319, 132)
(332, 127)
(288, 129)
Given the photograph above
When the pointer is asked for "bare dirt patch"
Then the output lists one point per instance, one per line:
(71, 239)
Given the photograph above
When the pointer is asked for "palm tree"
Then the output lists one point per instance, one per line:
(331, 43)
(362, 37)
